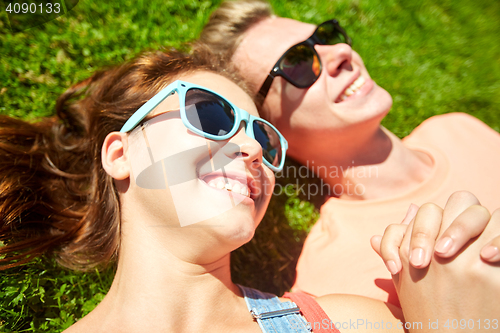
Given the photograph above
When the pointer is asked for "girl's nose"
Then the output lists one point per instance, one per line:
(244, 147)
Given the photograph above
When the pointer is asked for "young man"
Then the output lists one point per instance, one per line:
(309, 82)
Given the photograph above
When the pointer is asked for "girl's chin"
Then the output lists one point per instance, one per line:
(239, 217)
(237, 231)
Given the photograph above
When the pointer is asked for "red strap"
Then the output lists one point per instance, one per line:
(314, 314)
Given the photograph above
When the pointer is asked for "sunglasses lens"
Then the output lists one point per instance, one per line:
(213, 115)
(208, 112)
(270, 142)
(328, 34)
(301, 64)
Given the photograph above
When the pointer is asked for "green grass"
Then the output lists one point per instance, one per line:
(434, 57)
(42, 297)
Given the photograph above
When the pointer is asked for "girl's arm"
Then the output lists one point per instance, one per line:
(351, 313)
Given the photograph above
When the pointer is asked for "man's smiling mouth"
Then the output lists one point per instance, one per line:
(352, 89)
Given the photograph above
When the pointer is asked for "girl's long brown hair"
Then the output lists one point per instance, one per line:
(55, 197)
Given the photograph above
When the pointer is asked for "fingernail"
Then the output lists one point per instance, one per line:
(444, 245)
(410, 214)
(417, 257)
(391, 266)
(489, 252)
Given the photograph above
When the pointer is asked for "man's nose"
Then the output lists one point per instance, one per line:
(335, 57)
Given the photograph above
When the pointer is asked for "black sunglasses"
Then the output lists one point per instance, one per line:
(300, 64)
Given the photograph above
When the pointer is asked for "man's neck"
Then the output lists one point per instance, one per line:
(373, 166)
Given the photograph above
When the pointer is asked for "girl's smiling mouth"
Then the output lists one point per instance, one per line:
(236, 183)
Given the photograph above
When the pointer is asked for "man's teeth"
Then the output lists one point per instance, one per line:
(230, 185)
(353, 88)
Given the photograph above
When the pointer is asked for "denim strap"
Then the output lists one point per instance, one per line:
(273, 315)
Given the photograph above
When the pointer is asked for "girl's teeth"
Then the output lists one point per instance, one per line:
(236, 188)
(244, 191)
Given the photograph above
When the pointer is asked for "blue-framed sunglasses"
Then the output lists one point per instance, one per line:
(210, 115)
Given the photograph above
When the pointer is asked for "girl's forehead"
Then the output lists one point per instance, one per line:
(215, 82)
(224, 87)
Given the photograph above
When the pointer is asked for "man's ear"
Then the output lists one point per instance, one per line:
(114, 155)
